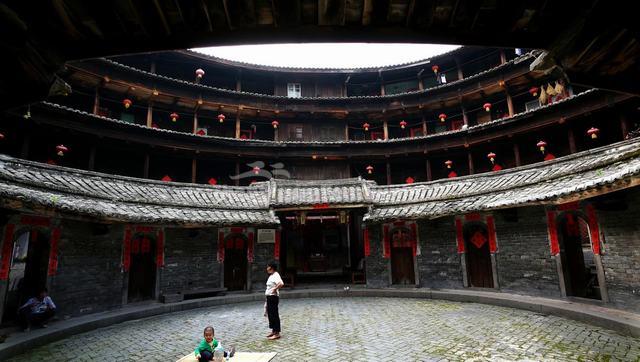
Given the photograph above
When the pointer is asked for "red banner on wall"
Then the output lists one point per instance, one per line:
(126, 249)
(250, 248)
(491, 230)
(553, 233)
(160, 249)
(276, 247)
(7, 249)
(367, 243)
(414, 239)
(220, 246)
(386, 244)
(594, 229)
(53, 252)
(459, 236)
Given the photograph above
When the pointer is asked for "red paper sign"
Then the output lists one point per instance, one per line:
(126, 250)
(53, 253)
(276, 247)
(386, 244)
(491, 230)
(553, 233)
(478, 239)
(459, 236)
(594, 229)
(160, 249)
(7, 249)
(367, 244)
(250, 248)
(221, 246)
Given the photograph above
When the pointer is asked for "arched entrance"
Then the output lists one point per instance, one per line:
(142, 271)
(28, 270)
(478, 255)
(402, 256)
(577, 258)
(235, 261)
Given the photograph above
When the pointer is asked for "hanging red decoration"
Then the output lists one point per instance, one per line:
(369, 169)
(275, 124)
(154, 125)
(487, 106)
(166, 178)
(174, 116)
(496, 167)
(212, 181)
(534, 91)
(435, 69)
(593, 132)
(452, 174)
(256, 170)
(403, 124)
(449, 163)
(442, 117)
(201, 132)
(492, 157)
(61, 150)
(409, 180)
(541, 145)
(199, 73)
(127, 103)
(366, 126)
(221, 118)
(478, 239)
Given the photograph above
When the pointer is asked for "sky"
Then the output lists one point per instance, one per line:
(328, 55)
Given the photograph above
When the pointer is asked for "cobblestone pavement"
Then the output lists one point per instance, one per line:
(355, 329)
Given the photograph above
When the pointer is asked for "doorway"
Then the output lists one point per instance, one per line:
(235, 261)
(576, 255)
(478, 255)
(142, 272)
(28, 271)
(402, 263)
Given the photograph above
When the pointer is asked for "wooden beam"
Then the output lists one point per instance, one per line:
(509, 103)
(194, 165)
(96, 101)
(195, 121)
(238, 124)
(367, 11)
(385, 129)
(150, 114)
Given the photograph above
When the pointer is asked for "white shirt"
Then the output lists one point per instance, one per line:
(274, 279)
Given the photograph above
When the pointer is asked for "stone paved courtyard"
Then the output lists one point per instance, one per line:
(355, 329)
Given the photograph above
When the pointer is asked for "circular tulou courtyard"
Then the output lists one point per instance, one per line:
(354, 329)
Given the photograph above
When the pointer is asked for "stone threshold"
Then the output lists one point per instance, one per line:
(623, 322)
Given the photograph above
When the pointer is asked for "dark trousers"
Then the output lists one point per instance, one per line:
(28, 318)
(272, 313)
(207, 356)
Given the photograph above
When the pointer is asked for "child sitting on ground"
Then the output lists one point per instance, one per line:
(206, 348)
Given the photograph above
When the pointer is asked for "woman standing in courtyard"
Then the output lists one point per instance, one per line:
(274, 283)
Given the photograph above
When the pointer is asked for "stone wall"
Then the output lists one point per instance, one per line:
(524, 260)
(376, 266)
(439, 262)
(262, 254)
(190, 260)
(618, 216)
(89, 277)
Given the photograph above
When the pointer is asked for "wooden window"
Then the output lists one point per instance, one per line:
(457, 124)
(298, 134)
(377, 135)
(417, 132)
(294, 90)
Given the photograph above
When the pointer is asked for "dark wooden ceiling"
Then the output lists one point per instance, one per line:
(595, 42)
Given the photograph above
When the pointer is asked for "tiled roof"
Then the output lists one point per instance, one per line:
(290, 193)
(612, 166)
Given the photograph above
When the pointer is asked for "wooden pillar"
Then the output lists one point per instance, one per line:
(424, 125)
(92, 158)
(237, 181)
(238, 124)
(145, 171)
(385, 129)
(382, 88)
(503, 57)
(195, 121)
(427, 165)
(96, 101)
(194, 165)
(346, 131)
(239, 81)
(276, 134)
(470, 158)
(624, 126)
(150, 115)
(459, 68)
(509, 103)
(388, 172)
(152, 67)
(572, 141)
(465, 118)
(516, 154)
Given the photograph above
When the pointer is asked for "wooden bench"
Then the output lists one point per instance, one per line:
(192, 294)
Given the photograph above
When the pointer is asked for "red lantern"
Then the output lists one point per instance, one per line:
(403, 124)
(166, 178)
(487, 106)
(534, 91)
(366, 126)
(275, 124)
(435, 69)
(449, 163)
(1, 136)
(127, 103)
(492, 157)
(199, 73)
(541, 145)
(221, 118)
(174, 116)
(212, 181)
(409, 180)
(442, 117)
(256, 170)
(369, 169)
(593, 132)
(61, 150)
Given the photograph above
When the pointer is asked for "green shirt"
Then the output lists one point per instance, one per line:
(204, 346)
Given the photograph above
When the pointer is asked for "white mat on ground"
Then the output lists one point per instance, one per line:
(238, 357)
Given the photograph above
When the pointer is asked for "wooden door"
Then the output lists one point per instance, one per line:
(235, 262)
(142, 271)
(402, 268)
(479, 268)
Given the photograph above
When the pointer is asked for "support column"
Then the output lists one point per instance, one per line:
(388, 172)
(516, 154)
(194, 164)
(509, 103)
(572, 141)
(238, 124)
(346, 131)
(276, 134)
(424, 125)
(385, 129)
(427, 164)
(382, 88)
(470, 158)
(92, 158)
(459, 68)
(624, 126)
(494, 271)
(503, 57)
(465, 118)
(150, 114)
(96, 101)
(195, 121)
